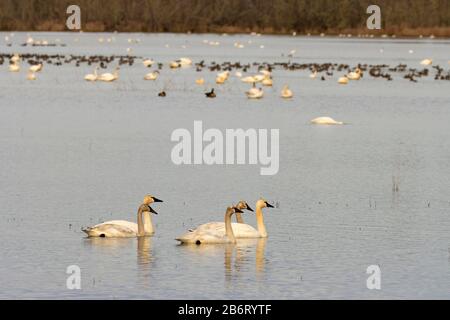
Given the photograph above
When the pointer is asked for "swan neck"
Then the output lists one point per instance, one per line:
(260, 222)
(239, 217)
(141, 231)
(228, 228)
(148, 223)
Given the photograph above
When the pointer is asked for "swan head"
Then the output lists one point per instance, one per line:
(243, 205)
(148, 199)
(262, 203)
(233, 210)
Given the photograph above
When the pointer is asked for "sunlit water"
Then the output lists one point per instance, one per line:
(73, 154)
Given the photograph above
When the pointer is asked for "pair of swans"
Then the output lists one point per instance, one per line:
(126, 229)
(254, 92)
(228, 232)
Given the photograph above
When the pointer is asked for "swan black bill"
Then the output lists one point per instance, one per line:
(249, 209)
(269, 205)
(157, 200)
(152, 210)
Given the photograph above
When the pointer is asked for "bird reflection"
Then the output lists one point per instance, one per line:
(144, 251)
(144, 259)
(244, 251)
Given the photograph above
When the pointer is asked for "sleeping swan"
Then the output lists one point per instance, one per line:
(122, 229)
(241, 230)
(212, 236)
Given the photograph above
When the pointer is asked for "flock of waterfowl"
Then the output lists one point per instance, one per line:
(257, 75)
(208, 233)
(257, 79)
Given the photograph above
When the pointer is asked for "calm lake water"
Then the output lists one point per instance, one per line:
(74, 154)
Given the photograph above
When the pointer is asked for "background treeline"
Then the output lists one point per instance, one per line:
(403, 17)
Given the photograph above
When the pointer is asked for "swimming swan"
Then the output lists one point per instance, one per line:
(151, 75)
(325, 121)
(108, 77)
(14, 67)
(286, 93)
(90, 76)
(123, 229)
(212, 236)
(241, 230)
(36, 67)
(255, 93)
(354, 75)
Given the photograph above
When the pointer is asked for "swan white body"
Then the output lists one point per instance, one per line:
(148, 62)
(356, 75)
(14, 67)
(426, 62)
(120, 228)
(255, 93)
(91, 77)
(36, 68)
(240, 230)
(109, 77)
(126, 229)
(185, 62)
(15, 58)
(286, 93)
(343, 80)
(212, 235)
(325, 121)
(151, 76)
(267, 82)
(248, 79)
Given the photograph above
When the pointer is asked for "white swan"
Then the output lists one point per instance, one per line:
(36, 67)
(185, 62)
(152, 75)
(148, 62)
(248, 79)
(14, 67)
(15, 58)
(108, 77)
(212, 236)
(286, 93)
(124, 229)
(325, 121)
(426, 62)
(200, 81)
(268, 81)
(240, 229)
(90, 76)
(354, 75)
(343, 80)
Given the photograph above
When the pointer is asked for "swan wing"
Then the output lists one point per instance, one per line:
(112, 229)
(240, 230)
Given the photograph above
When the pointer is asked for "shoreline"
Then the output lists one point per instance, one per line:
(392, 32)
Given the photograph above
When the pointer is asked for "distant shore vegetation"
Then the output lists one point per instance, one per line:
(399, 17)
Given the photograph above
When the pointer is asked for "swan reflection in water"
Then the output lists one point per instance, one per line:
(114, 247)
(245, 251)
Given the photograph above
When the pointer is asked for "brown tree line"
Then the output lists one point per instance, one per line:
(272, 16)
